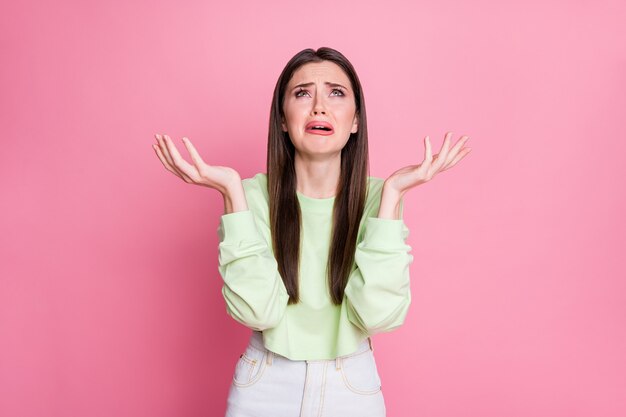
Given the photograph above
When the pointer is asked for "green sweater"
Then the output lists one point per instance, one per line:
(377, 296)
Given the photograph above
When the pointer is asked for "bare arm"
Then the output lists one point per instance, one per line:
(235, 198)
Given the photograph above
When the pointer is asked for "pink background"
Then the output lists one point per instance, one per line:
(110, 299)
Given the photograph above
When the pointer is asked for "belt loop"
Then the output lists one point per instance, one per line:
(269, 357)
(338, 363)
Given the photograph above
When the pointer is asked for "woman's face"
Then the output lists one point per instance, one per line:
(327, 97)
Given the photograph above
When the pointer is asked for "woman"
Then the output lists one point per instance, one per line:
(313, 253)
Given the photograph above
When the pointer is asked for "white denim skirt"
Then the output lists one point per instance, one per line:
(266, 384)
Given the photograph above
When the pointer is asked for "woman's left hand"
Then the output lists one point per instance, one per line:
(408, 177)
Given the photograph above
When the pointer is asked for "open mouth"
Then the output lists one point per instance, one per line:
(318, 127)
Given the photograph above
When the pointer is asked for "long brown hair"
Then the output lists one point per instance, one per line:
(285, 215)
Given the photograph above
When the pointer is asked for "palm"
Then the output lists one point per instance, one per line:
(408, 177)
(200, 173)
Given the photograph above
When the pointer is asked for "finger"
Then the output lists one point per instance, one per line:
(185, 168)
(459, 144)
(161, 153)
(164, 151)
(428, 153)
(443, 154)
(460, 156)
(195, 156)
(164, 161)
(455, 150)
(168, 157)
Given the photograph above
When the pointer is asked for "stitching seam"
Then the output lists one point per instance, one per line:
(256, 378)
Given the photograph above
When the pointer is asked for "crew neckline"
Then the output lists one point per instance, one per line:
(315, 204)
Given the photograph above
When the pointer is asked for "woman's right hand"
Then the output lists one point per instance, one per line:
(200, 173)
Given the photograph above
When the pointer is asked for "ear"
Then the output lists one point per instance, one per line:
(355, 124)
(283, 125)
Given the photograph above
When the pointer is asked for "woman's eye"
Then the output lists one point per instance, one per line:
(334, 89)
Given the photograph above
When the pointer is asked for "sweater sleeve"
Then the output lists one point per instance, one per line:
(378, 291)
(253, 288)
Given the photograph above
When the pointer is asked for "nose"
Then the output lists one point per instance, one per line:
(318, 105)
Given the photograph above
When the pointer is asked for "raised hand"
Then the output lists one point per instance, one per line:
(408, 177)
(200, 173)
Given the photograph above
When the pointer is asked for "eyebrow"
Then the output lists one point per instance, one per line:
(327, 83)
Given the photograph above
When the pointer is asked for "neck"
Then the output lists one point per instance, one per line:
(317, 178)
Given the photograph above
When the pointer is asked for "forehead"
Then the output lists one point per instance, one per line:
(320, 71)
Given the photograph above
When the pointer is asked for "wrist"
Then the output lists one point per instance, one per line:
(234, 197)
(390, 203)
